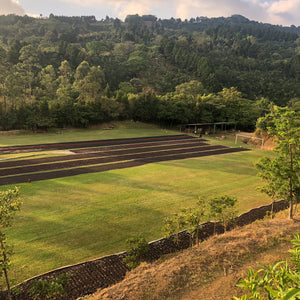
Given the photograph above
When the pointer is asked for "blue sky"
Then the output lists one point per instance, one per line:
(283, 12)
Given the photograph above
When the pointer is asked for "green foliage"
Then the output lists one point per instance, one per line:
(136, 252)
(223, 209)
(193, 218)
(282, 174)
(278, 281)
(173, 225)
(9, 205)
(58, 60)
(49, 289)
(128, 205)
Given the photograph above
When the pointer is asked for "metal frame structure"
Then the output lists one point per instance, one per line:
(250, 137)
(197, 125)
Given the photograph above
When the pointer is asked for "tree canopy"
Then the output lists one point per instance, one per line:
(281, 175)
(201, 69)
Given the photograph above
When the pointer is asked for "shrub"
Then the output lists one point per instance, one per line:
(49, 289)
(136, 252)
(278, 281)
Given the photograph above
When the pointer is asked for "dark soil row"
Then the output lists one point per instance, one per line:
(141, 145)
(102, 160)
(120, 165)
(73, 145)
(102, 151)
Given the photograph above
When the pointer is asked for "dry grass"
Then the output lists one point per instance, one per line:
(211, 270)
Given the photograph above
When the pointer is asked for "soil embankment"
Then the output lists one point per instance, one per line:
(211, 270)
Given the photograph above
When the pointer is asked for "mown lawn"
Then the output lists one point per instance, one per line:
(126, 129)
(72, 219)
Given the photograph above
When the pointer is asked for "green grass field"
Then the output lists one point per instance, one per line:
(72, 219)
(126, 129)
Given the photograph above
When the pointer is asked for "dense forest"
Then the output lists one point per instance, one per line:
(78, 71)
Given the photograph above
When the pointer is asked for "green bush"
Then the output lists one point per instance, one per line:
(278, 281)
(136, 252)
(49, 289)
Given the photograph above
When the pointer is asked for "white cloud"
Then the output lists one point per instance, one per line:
(11, 7)
(283, 6)
(133, 8)
(217, 8)
(122, 8)
(285, 12)
(130, 7)
(214, 8)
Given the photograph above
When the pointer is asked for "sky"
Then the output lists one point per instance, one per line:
(282, 12)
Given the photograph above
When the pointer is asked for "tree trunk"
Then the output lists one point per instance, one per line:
(5, 269)
(272, 210)
(291, 209)
(291, 183)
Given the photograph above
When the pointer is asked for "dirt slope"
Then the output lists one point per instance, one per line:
(211, 270)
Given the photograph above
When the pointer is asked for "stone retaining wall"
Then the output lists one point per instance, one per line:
(85, 278)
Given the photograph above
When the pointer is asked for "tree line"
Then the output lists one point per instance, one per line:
(77, 71)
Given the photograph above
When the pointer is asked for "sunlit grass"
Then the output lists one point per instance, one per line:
(67, 220)
(126, 129)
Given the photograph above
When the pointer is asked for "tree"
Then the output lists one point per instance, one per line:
(89, 82)
(3, 74)
(28, 68)
(174, 224)
(281, 175)
(189, 219)
(193, 217)
(233, 101)
(65, 90)
(9, 204)
(81, 71)
(192, 88)
(47, 78)
(223, 209)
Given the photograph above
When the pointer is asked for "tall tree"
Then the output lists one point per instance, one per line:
(9, 204)
(89, 82)
(65, 91)
(48, 83)
(282, 174)
(28, 68)
(3, 74)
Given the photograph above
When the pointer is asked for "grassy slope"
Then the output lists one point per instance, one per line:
(67, 220)
(211, 270)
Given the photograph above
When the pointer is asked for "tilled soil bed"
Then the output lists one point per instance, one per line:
(99, 159)
(86, 144)
(104, 151)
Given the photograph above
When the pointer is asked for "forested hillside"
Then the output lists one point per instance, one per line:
(77, 71)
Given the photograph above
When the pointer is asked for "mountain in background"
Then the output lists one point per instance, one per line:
(75, 59)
